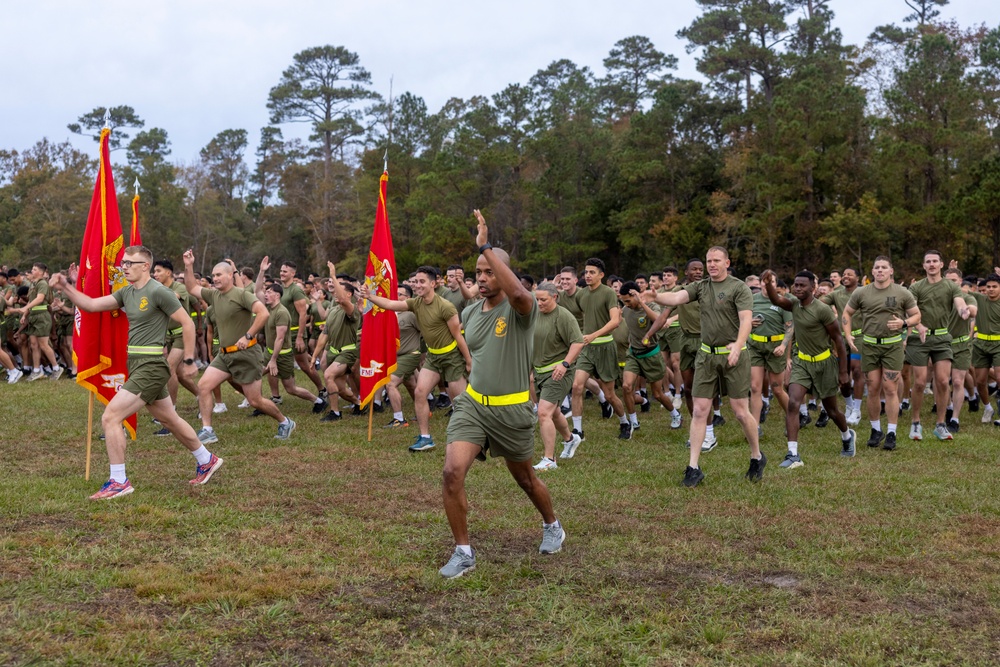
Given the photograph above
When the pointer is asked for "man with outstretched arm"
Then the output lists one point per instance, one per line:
(240, 317)
(726, 320)
(494, 414)
(148, 306)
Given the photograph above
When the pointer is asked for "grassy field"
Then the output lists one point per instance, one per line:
(325, 550)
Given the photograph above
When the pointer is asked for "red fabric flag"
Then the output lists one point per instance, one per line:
(135, 238)
(379, 328)
(100, 340)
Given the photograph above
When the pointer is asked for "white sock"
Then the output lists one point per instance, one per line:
(623, 419)
(549, 525)
(208, 428)
(202, 455)
(425, 435)
(767, 401)
(803, 410)
(891, 428)
(565, 402)
(378, 402)
(398, 416)
(876, 424)
(37, 369)
(632, 418)
(674, 413)
(845, 435)
(601, 397)
(793, 447)
(285, 422)
(709, 432)
(318, 401)
(717, 413)
(465, 549)
(578, 423)
(118, 473)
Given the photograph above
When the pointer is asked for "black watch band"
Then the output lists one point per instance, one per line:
(566, 364)
(189, 361)
(248, 336)
(483, 248)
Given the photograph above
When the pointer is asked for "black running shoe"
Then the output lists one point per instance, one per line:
(974, 404)
(756, 471)
(625, 431)
(692, 476)
(953, 425)
(319, 408)
(357, 410)
(443, 401)
(890, 442)
(256, 413)
(378, 407)
(804, 419)
(875, 439)
(718, 420)
(822, 420)
(645, 406)
(332, 416)
(763, 413)
(607, 410)
(948, 414)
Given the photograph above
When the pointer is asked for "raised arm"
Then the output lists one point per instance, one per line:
(193, 288)
(521, 300)
(258, 286)
(341, 295)
(768, 278)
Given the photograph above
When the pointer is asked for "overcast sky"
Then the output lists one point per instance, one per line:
(197, 68)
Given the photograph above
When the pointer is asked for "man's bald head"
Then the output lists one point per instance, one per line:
(499, 253)
(224, 267)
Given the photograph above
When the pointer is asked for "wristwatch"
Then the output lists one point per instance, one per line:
(189, 361)
(483, 248)
(249, 336)
(565, 363)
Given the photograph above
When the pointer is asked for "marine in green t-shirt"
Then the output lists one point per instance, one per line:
(986, 346)
(721, 367)
(37, 322)
(163, 272)
(838, 299)
(820, 365)
(494, 416)
(930, 342)
(886, 311)
(278, 339)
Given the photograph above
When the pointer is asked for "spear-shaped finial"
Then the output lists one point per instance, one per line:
(136, 186)
(107, 118)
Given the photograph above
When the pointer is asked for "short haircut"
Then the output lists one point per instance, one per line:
(934, 252)
(992, 278)
(690, 262)
(671, 269)
(165, 263)
(628, 286)
(428, 271)
(549, 287)
(142, 251)
(290, 265)
(781, 283)
(527, 277)
(596, 263)
(13, 273)
(40, 265)
(248, 273)
(568, 269)
(850, 268)
(718, 248)
(349, 288)
(406, 288)
(641, 275)
(953, 271)
(883, 258)
(276, 288)
(455, 266)
(808, 275)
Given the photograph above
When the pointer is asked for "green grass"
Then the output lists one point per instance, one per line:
(325, 550)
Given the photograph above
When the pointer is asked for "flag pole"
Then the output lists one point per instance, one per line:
(90, 434)
(371, 416)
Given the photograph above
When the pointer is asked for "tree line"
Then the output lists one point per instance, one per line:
(795, 151)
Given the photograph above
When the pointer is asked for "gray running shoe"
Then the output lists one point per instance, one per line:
(941, 432)
(709, 444)
(458, 565)
(553, 537)
(849, 446)
(57, 373)
(207, 437)
(285, 430)
(791, 461)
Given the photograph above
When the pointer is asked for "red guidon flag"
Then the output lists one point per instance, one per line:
(379, 328)
(135, 238)
(100, 340)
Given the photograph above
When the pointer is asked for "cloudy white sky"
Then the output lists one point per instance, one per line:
(197, 68)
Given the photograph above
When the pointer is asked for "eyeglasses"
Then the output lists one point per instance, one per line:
(128, 264)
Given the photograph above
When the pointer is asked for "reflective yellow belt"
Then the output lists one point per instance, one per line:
(178, 330)
(442, 350)
(825, 354)
(602, 340)
(960, 339)
(288, 351)
(938, 332)
(194, 313)
(883, 341)
(293, 328)
(717, 350)
(334, 350)
(215, 341)
(34, 308)
(982, 336)
(147, 350)
(767, 339)
(546, 369)
(505, 399)
(675, 324)
(856, 332)
(621, 364)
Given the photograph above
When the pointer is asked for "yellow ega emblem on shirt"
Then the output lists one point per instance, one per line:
(143, 304)
(501, 328)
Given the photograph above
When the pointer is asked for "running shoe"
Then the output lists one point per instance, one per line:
(693, 477)
(207, 437)
(708, 445)
(676, 421)
(546, 464)
(941, 432)
(113, 489)
(756, 470)
(396, 423)
(458, 564)
(569, 446)
(422, 444)
(850, 445)
(791, 461)
(553, 537)
(285, 430)
(204, 473)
